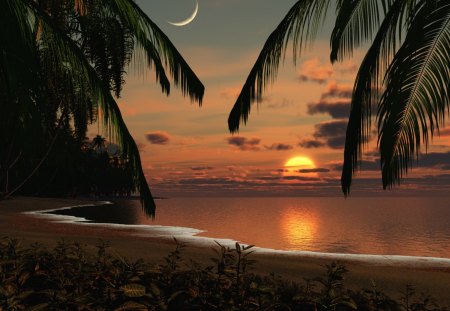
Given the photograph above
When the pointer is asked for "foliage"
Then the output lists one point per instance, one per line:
(91, 170)
(405, 73)
(62, 63)
(70, 278)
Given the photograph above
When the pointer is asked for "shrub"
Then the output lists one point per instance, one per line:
(69, 278)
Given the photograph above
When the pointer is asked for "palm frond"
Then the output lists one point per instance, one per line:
(153, 60)
(356, 22)
(67, 57)
(300, 25)
(159, 48)
(417, 90)
(367, 89)
(17, 48)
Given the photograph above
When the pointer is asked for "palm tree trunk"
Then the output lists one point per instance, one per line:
(4, 177)
(58, 128)
(35, 169)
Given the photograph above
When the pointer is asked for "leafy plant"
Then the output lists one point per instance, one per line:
(68, 277)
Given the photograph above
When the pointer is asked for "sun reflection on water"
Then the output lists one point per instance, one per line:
(299, 228)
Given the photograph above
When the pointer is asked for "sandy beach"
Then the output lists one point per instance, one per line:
(389, 275)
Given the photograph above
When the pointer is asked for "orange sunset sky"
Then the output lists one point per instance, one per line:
(187, 150)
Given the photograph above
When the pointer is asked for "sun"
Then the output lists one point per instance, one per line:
(299, 166)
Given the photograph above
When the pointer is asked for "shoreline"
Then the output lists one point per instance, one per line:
(192, 237)
(391, 273)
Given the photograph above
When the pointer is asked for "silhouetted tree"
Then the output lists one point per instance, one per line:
(59, 63)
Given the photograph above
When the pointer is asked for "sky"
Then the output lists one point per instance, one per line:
(187, 150)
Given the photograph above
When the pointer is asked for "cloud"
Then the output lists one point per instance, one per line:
(366, 165)
(444, 132)
(336, 90)
(271, 185)
(244, 144)
(347, 67)
(288, 178)
(311, 143)
(434, 160)
(339, 107)
(332, 133)
(202, 168)
(279, 147)
(158, 138)
(281, 170)
(284, 103)
(314, 170)
(337, 110)
(314, 71)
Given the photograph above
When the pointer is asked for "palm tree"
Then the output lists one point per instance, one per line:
(405, 73)
(99, 143)
(60, 61)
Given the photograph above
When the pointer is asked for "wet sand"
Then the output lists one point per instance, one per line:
(389, 275)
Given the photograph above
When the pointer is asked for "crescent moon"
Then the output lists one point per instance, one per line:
(189, 19)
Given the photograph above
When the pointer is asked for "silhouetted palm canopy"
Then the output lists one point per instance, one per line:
(83, 48)
(405, 73)
(99, 143)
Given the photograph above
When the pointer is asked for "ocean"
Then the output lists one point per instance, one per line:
(413, 226)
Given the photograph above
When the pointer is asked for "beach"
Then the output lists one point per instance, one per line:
(389, 275)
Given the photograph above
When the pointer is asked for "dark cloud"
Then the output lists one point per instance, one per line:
(289, 178)
(208, 181)
(281, 170)
(279, 147)
(202, 168)
(431, 160)
(366, 165)
(435, 159)
(300, 178)
(332, 133)
(337, 110)
(244, 144)
(311, 143)
(158, 138)
(270, 185)
(314, 170)
(337, 91)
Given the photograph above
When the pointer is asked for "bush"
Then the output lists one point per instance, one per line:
(69, 278)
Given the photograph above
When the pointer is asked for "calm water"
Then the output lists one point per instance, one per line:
(386, 226)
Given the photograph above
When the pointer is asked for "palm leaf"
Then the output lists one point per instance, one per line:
(67, 55)
(417, 94)
(17, 48)
(158, 47)
(300, 25)
(356, 22)
(153, 60)
(366, 90)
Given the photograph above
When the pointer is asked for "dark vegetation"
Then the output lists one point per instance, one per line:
(62, 65)
(70, 278)
(85, 168)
